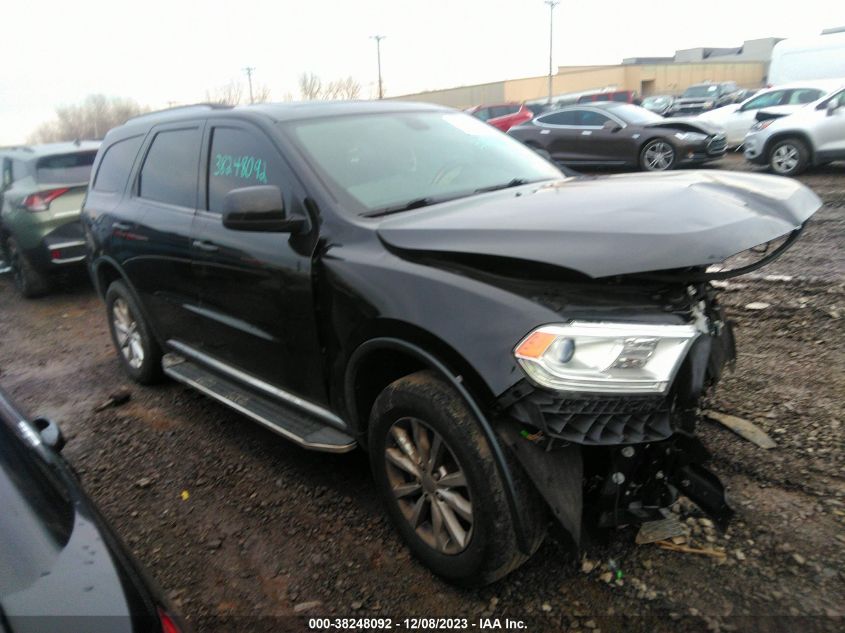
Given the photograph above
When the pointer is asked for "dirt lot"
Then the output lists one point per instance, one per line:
(267, 527)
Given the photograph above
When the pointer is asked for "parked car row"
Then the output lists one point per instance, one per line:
(621, 134)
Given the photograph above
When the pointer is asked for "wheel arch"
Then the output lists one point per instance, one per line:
(391, 350)
(780, 136)
(104, 272)
(376, 347)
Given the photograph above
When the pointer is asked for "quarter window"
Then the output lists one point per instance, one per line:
(239, 159)
(116, 164)
(170, 170)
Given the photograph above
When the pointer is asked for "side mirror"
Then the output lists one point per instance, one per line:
(832, 106)
(258, 208)
(611, 126)
(50, 433)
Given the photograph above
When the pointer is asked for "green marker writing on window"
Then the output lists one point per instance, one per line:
(243, 167)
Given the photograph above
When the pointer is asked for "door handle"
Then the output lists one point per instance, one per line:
(208, 247)
(586, 132)
(121, 226)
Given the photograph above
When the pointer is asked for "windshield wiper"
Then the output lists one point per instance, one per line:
(416, 203)
(507, 185)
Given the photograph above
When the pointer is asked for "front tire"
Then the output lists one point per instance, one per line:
(789, 157)
(28, 280)
(658, 155)
(139, 352)
(440, 486)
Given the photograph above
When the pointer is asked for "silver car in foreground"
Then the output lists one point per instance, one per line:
(815, 135)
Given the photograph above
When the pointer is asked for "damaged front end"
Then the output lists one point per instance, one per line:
(620, 454)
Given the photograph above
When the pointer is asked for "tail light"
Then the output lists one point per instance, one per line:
(41, 201)
(168, 624)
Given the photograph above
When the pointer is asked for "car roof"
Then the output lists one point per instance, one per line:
(286, 111)
(30, 152)
(596, 105)
(823, 84)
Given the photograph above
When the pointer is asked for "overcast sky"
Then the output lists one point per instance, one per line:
(55, 52)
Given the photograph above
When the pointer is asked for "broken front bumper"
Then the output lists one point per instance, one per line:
(622, 459)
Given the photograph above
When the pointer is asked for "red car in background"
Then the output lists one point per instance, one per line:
(503, 116)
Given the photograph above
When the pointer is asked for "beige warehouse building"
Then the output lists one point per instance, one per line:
(747, 65)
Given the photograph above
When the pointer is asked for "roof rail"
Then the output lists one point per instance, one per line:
(21, 148)
(197, 106)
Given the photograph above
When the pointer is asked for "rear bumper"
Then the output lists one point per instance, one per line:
(61, 248)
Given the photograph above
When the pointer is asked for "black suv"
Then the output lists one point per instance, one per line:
(508, 344)
(700, 98)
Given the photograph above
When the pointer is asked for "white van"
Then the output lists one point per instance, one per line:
(804, 58)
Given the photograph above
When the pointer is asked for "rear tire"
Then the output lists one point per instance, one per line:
(461, 528)
(789, 157)
(137, 349)
(28, 280)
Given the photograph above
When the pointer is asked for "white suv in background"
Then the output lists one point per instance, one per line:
(738, 118)
(814, 135)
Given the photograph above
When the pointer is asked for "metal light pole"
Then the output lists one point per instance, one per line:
(249, 70)
(378, 39)
(552, 4)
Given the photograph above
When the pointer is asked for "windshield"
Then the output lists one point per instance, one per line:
(655, 101)
(636, 115)
(706, 90)
(379, 161)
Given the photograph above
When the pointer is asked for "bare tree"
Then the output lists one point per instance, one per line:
(91, 119)
(346, 88)
(349, 88)
(261, 93)
(230, 94)
(310, 86)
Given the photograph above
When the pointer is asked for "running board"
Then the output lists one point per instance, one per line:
(301, 428)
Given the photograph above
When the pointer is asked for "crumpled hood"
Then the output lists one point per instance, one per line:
(690, 124)
(613, 225)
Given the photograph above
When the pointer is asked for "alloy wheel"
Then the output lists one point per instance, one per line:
(659, 156)
(429, 486)
(785, 158)
(127, 334)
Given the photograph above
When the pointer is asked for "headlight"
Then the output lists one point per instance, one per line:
(690, 136)
(605, 357)
(761, 125)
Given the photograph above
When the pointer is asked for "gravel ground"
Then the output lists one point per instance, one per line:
(267, 528)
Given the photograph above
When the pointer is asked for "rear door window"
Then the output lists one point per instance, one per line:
(239, 158)
(117, 162)
(65, 169)
(590, 118)
(804, 95)
(170, 170)
(767, 100)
